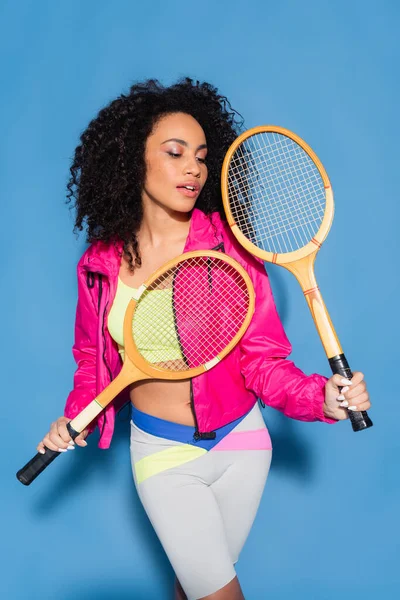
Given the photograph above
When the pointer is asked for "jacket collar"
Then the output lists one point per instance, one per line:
(205, 232)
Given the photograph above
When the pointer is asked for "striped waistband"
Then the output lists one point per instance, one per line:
(177, 432)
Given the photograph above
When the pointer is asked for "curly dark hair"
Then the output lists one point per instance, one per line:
(108, 169)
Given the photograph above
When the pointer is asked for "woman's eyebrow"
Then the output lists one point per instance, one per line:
(183, 143)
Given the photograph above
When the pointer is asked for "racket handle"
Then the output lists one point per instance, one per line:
(359, 419)
(39, 462)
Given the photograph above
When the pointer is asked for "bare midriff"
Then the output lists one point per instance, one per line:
(169, 400)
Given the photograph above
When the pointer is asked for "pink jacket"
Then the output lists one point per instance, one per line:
(256, 368)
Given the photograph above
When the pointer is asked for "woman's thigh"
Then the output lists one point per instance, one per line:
(238, 493)
(243, 459)
(202, 503)
(186, 518)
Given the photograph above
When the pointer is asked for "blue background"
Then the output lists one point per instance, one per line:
(328, 524)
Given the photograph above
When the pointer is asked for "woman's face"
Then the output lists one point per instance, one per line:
(175, 154)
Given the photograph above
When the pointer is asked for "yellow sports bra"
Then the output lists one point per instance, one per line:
(152, 344)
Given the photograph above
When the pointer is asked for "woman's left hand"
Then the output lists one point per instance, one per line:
(353, 396)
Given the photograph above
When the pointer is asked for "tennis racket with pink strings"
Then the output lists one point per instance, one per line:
(279, 204)
(180, 323)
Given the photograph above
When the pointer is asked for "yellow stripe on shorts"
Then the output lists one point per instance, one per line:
(166, 459)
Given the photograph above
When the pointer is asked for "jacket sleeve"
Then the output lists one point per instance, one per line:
(264, 364)
(84, 351)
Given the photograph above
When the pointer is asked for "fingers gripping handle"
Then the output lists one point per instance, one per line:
(359, 420)
(39, 462)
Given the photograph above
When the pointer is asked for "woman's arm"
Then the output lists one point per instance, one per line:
(84, 351)
(84, 390)
(264, 364)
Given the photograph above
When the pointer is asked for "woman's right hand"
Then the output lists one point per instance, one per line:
(59, 439)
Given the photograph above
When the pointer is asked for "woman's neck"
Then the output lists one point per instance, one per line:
(162, 227)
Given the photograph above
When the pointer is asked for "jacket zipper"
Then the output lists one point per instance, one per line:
(90, 279)
(103, 317)
(103, 324)
(205, 435)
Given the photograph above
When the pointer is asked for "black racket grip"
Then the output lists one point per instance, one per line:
(36, 465)
(39, 462)
(359, 420)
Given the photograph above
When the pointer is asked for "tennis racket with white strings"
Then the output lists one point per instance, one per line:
(279, 204)
(180, 323)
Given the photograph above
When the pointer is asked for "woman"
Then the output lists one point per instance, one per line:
(146, 185)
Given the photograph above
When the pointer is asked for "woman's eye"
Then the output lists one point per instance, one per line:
(173, 154)
(201, 160)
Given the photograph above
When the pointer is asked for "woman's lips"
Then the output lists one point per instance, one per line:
(188, 193)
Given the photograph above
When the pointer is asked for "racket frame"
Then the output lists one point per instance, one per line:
(135, 367)
(314, 245)
(299, 262)
(131, 350)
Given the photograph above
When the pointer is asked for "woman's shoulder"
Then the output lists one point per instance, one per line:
(100, 254)
(234, 248)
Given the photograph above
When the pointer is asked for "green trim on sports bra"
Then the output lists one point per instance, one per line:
(152, 344)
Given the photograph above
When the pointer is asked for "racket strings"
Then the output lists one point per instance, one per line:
(279, 167)
(189, 315)
(276, 193)
(279, 221)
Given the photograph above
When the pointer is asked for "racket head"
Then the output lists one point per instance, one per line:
(195, 309)
(277, 196)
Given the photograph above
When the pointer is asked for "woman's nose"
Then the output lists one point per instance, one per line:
(192, 167)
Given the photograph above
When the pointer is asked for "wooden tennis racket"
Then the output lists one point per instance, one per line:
(180, 323)
(279, 204)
